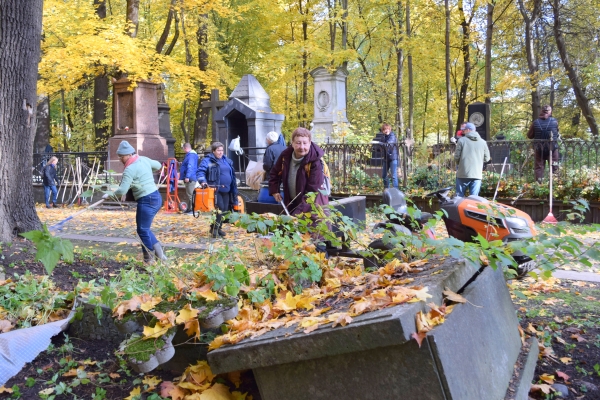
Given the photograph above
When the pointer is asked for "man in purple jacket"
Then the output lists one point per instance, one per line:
(300, 170)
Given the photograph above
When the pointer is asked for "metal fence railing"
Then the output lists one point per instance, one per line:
(66, 161)
(356, 168)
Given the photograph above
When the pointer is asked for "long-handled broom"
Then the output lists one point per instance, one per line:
(58, 226)
(550, 217)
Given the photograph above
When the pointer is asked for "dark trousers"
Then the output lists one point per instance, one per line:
(147, 208)
(222, 207)
(541, 156)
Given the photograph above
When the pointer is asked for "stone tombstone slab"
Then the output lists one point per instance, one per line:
(469, 357)
(247, 114)
(329, 102)
(479, 115)
(136, 120)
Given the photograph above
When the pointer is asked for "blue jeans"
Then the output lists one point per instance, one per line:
(462, 184)
(393, 165)
(47, 190)
(147, 208)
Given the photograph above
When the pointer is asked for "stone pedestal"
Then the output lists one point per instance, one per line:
(469, 357)
(329, 103)
(135, 119)
(164, 128)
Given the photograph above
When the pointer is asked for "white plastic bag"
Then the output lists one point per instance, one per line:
(255, 174)
(235, 146)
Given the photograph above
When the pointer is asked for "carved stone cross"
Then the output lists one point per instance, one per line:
(214, 105)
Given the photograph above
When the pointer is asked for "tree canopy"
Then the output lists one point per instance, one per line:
(194, 45)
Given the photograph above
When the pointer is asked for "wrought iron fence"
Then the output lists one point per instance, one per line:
(357, 168)
(66, 161)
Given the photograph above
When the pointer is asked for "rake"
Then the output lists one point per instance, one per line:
(550, 217)
(58, 226)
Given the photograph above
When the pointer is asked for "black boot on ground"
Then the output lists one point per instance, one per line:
(214, 233)
(148, 258)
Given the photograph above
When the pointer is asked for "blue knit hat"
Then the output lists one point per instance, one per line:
(125, 149)
(470, 126)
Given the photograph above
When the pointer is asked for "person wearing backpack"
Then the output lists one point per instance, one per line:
(216, 170)
(545, 131)
(300, 170)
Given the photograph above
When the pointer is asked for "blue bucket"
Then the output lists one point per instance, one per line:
(265, 197)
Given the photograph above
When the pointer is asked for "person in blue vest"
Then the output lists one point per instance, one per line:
(275, 145)
(216, 170)
(187, 173)
(50, 181)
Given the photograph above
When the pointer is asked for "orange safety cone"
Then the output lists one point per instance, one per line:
(550, 217)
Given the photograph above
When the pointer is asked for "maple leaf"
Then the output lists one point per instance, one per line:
(562, 375)
(167, 319)
(217, 392)
(135, 392)
(239, 396)
(541, 387)
(192, 328)
(114, 375)
(168, 389)
(4, 389)
(455, 297)
(127, 305)
(566, 360)
(186, 313)
(342, 319)
(419, 336)
(208, 295)
(287, 303)
(151, 381)
(148, 302)
(421, 295)
(578, 338)
(549, 379)
(5, 325)
(155, 332)
(199, 372)
(306, 302)
(235, 377)
(217, 342)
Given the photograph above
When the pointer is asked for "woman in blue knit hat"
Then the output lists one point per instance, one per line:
(138, 176)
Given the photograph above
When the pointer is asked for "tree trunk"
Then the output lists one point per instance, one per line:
(448, 82)
(466, 53)
(304, 122)
(201, 121)
(165, 34)
(101, 132)
(42, 129)
(133, 12)
(489, 32)
(532, 65)
(582, 99)
(20, 30)
(411, 83)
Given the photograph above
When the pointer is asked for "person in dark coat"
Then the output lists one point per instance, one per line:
(290, 169)
(545, 129)
(187, 173)
(390, 159)
(50, 181)
(216, 170)
(275, 145)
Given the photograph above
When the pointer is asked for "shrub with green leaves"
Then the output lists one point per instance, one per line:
(50, 249)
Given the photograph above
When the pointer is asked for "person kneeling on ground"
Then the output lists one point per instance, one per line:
(216, 170)
(138, 176)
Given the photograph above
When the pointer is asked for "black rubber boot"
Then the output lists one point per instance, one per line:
(214, 233)
(148, 258)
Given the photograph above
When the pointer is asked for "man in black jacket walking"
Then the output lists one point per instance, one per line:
(390, 158)
(546, 134)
